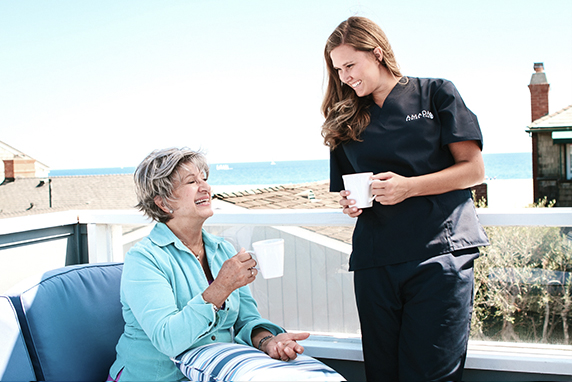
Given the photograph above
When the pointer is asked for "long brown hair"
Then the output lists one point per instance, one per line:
(347, 115)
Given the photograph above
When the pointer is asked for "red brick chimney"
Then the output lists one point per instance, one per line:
(538, 92)
(19, 168)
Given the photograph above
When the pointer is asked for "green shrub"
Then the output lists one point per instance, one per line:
(523, 285)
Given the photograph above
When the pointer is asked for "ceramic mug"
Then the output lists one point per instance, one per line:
(269, 256)
(359, 186)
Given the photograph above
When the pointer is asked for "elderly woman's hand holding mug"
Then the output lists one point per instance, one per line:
(235, 273)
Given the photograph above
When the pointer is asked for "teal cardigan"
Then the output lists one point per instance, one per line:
(163, 308)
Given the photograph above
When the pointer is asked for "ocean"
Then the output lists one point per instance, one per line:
(497, 166)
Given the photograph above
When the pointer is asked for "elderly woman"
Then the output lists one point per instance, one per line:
(182, 287)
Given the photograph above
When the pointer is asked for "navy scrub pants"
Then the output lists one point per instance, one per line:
(415, 317)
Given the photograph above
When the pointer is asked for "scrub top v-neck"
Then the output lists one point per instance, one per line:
(409, 136)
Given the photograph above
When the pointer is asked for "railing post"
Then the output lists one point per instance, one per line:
(104, 242)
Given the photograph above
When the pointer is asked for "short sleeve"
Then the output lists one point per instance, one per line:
(458, 123)
(339, 165)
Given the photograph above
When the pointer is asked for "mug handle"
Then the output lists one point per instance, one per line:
(253, 254)
(369, 183)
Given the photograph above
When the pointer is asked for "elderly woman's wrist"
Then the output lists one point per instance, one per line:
(264, 340)
(211, 298)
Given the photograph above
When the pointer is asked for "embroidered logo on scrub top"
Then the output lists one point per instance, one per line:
(421, 114)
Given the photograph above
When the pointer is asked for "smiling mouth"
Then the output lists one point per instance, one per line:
(202, 201)
(355, 84)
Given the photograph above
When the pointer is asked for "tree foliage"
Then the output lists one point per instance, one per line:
(523, 285)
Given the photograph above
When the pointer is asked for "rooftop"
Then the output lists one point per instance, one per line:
(31, 196)
(9, 152)
(298, 196)
(560, 120)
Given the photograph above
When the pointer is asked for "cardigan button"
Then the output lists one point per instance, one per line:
(213, 338)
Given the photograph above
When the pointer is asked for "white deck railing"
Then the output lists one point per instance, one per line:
(110, 233)
(102, 237)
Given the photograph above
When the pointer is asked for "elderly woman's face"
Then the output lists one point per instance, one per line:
(192, 195)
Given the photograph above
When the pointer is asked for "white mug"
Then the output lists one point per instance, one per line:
(359, 186)
(269, 256)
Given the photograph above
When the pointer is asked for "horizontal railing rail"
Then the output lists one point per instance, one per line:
(554, 217)
(106, 238)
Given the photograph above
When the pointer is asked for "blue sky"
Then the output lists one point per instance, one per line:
(88, 84)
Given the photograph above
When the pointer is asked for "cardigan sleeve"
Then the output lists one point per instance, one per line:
(249, 318)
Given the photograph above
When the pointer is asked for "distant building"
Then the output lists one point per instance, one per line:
(32, 196)
(551, 144)
(27, 189)
(14, 161)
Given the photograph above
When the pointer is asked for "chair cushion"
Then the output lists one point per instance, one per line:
(15, 364)
(71, 319)
(235, 362)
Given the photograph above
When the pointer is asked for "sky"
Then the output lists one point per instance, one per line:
(90, 84)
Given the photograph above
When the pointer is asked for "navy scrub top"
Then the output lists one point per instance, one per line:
(409, 136)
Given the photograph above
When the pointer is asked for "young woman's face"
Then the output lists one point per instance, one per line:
(357, 69)
(192, 196)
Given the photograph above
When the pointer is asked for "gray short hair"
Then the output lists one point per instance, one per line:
(158, 174)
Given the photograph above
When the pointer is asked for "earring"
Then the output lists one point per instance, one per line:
(170, 211)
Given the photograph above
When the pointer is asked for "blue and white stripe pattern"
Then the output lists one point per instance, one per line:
(235, 362)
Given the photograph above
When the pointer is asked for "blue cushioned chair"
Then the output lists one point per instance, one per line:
(71, 321)
(15, 363)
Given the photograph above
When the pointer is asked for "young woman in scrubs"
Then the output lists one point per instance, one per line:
(413, 251)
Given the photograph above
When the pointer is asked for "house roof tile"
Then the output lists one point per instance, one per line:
(560, 120)
(298, 196)
(29, 196)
